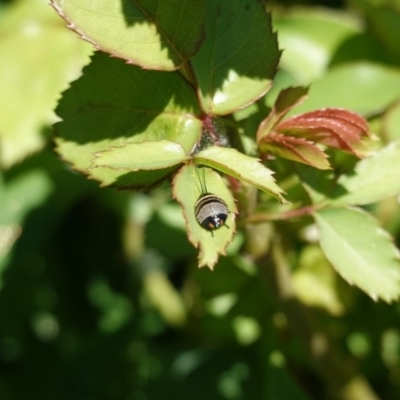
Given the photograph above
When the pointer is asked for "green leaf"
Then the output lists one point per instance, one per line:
(153, 34)
(236, 164)
(374, 178)
(38, 57)
(186, 190)
(315, 282)
(364, 87)
(384, 22)
(17, 198)
(141, 156)
(391, 123)
(309, 37)
(114, 103)
(318, 184)
(239, 57)
(360, 251)
(150, 162)
(23, 193)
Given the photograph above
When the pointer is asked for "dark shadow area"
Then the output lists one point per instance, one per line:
(361, 47)
(143, 180)
(132, 13)
(51, 346)
(322, 182)
(238, 41)
(325, 3)
(171, 243)
(114, 100)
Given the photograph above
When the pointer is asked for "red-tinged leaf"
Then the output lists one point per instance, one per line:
(326, 133)
(336, 128)
(287, 99)
(347, 115)
(296, 149)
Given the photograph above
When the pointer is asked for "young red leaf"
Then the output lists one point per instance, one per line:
(343, 114)
(296, 149)
(331, 127)
(287, 99)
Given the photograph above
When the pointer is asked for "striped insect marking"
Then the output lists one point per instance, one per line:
(211, 211)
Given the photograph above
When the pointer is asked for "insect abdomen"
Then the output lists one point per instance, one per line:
(211, 211)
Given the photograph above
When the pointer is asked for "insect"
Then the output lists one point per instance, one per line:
(211, 211)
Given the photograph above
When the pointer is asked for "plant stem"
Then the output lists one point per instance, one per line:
(264, 217)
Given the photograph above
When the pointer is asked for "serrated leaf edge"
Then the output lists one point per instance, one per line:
(71, 26)
(197, 245)
(396, 251)
(99, 153)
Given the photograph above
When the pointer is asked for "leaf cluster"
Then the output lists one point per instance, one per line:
(132, 127)
(300, 141)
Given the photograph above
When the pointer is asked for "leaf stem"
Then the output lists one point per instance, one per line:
(264, 217)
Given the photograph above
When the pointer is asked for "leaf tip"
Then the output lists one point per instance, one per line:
(284, 202)
(374, 297)
(210, 266)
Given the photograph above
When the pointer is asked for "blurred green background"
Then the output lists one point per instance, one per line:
(100, 295)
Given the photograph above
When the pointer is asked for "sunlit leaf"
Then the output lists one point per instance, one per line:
(187, 190)
(22, 194)
(154, 34)
(361, 86)
(316, 283)
(309, 36)
(136, 156)
(163, 295)
(38, 57)
(360, 251)
(17, 198)
(236, 164)
(149, 162)
(373, 179)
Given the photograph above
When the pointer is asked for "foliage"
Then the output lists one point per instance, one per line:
(106, 283)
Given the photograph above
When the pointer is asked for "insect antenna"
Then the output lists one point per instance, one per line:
(201, 180)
